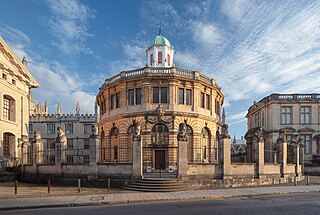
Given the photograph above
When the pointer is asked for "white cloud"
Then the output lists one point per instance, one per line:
(205, 33)
(186, 60)
(234, 9)
(68, 24)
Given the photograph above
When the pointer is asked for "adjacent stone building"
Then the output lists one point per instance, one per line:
(291, 113)
(77, 128)
(16, 83)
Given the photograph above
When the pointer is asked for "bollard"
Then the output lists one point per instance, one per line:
(79, 185)
(49, 185)
(108, 184)
(15, 187)
(308, 180)
(295, 181)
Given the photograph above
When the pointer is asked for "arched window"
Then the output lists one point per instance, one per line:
(8, 145)
(151, 59)
(159, 57)
(168, 59)
(114, 140)
(190, 143)
(205, 144)
(103, 147)
(8, 108)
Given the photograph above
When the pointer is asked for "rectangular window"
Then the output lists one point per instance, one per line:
(130, 97)
(69, 128)
(69, 159)
(286, 115)
(155, 97)
(50, 159)
(117, 100)
(51, 143)
(112, 102)
(6, 108)
(208, 102)
(4, 76)
(289, 138)
(14, 82)
(86, 143)
(87, 128)
(30, 128)
(305, 114)
(188, 97)
(164, 95)
(257, 120)
(51, 128)
(308, 143)
(181, 96)
(138, 96)
(115, 153)
(202, 100)
(86, 159)
(70, 143)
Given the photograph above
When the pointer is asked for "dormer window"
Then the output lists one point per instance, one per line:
(151, 59)
(168, 58)
(159, 57)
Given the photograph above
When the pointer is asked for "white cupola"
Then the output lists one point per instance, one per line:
(160, 52)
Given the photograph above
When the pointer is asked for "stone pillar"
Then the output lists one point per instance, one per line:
(226, 158)
(183, 159)
(94, 149)
(284, 159)
(260, 153)
(136, 159)
(298, 167)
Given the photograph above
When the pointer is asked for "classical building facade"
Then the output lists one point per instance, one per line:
(77, 128)
(16, 83)
(159, 98)
(291, 113)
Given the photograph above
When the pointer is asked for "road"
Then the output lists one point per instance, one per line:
(308, 203)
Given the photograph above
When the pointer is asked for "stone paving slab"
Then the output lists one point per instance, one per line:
(135, 197)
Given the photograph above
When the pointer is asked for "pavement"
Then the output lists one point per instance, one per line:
(140, 197)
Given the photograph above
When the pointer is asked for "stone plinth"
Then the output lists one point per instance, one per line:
(136, 159)
(183, 160)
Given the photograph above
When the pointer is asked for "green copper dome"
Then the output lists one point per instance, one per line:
(160, 40)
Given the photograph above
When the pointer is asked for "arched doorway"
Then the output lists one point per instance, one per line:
(114, 144)
(8, 146)
(160, 140)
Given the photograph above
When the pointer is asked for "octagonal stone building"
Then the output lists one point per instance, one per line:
(160, 121)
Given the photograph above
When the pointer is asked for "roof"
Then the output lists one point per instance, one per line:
(22, 71)
(160, 40)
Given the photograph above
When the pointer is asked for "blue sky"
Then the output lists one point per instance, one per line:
(251, 48)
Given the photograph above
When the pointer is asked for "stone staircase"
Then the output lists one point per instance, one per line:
(156, 185)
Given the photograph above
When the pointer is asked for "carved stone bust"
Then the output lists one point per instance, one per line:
(137, 132)
(94, 130)
(182, 134)
(258, 134)
(160, 113)
(37, 137)
(282, 136)
(62, 138)
(225, 132)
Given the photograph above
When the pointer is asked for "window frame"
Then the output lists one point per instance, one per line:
(181, 96)
(160, 58)
(286, 114)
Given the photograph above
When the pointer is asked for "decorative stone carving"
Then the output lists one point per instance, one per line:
(94, 130)
(225, 132)
(182, 133)
(296, 140)
(62, 138)
(137, 132)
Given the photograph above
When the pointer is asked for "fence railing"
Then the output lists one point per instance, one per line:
(116, 155)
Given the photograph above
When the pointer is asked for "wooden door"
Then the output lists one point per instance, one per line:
(160, 161)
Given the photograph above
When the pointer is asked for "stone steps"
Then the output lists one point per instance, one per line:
(156, 185)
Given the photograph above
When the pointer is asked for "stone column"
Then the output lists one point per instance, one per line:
(284, 159)
(260, 153)
(136, 159)
(298, 167)
(183, 159)
(226, 158)
(94, 149)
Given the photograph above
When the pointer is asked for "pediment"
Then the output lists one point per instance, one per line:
(306, 130)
